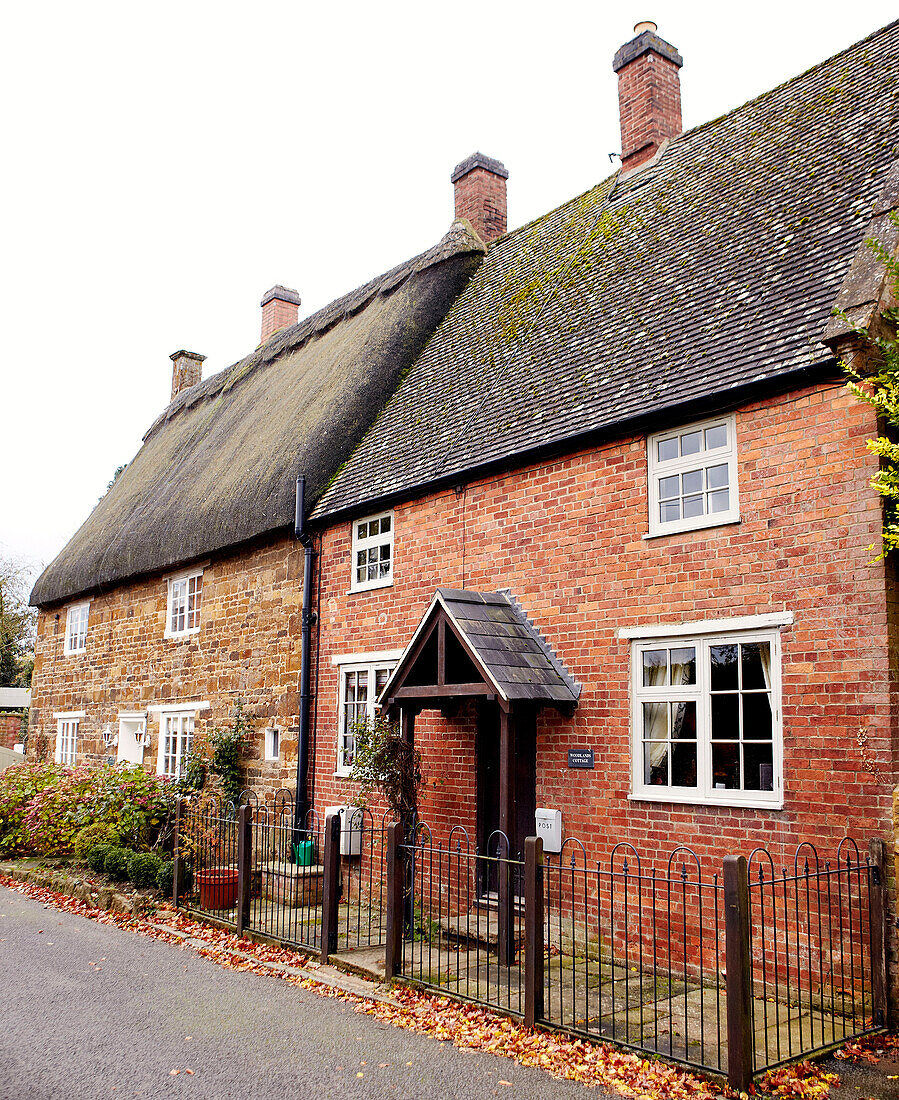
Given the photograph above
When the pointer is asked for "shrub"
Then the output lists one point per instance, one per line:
(92, 835)
(165, 878)
(143, 867)
(115, 863)
(18, 787)
(96, 857)
(128, 798)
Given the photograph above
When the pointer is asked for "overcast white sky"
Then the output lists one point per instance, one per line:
(166, 163)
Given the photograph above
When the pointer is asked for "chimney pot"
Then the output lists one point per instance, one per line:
(648, 94)
(187, 370)
(480, 195)
(280, 309)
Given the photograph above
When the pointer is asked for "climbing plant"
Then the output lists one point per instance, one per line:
(386, 763)
(879, 387)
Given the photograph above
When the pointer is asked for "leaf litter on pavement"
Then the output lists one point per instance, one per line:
(465, 1025)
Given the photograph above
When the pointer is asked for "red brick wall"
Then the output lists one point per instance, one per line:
(649, 107)
(248, 648)
(567, 537)
(10, 729)
(480, 196)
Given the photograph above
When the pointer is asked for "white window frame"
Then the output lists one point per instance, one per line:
(658, 469)
(704, 793)
(184, 739)
(272, 749)
(67, 729)
(191, 616)
(371, 669)
(371, 542)
(77, 616)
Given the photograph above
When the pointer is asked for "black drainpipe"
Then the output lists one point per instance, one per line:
(301, 805)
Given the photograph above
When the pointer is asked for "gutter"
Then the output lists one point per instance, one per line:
(301, 803)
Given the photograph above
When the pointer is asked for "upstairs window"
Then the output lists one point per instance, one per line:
(693, 477)
(185, 599)
(76, 628)
(372, 552)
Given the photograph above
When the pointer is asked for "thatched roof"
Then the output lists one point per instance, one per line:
(672, 291)
(219, 466)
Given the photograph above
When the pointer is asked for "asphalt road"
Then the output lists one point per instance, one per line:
(88, 1010)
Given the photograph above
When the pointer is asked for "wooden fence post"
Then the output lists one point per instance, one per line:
(533, 930)
(244, 865)
(740, 1052)
(331, 885)
(176, 875)
(396, 880)
(879, 932)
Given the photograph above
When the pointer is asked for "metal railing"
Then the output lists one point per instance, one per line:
(733, 972)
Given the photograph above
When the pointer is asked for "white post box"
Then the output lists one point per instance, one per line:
(350, 828)
(549, 827)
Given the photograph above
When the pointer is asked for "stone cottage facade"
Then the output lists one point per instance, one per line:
(589, 506)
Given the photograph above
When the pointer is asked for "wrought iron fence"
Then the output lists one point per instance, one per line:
(362, 916)
(734, 972)
(811, 975)
(206, 856)
(286, 877)
(635, 954)
(463, 918)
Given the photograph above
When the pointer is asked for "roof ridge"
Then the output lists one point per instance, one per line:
(785, 83)
(460, 237)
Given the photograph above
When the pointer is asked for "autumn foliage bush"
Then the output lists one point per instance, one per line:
(43, 807)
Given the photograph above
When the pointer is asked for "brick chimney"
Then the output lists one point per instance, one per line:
(648, 94)
(187, 370)
(480, 185)
(280, 309)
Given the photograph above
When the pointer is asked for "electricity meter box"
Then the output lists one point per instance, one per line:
(549, 827)
(350, 828)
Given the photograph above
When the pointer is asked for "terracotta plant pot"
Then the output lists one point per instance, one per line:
(218, 888)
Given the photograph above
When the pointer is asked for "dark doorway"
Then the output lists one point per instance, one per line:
(524, 799)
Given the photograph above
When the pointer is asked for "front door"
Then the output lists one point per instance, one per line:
(524, 799)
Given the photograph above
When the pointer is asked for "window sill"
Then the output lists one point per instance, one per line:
(371, 587)
(693, 527)
(707, 800)
(182, 635)
(341, 775)
(74, 652)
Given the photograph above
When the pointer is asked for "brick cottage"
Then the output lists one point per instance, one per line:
(587, 504)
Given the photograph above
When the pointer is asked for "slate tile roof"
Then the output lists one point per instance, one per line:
(713, 269)
(512, 652)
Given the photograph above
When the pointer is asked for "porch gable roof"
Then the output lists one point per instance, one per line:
(507, 650)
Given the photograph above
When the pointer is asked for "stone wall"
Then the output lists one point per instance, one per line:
(247, 649)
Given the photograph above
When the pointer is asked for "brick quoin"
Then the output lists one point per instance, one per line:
(566, 537)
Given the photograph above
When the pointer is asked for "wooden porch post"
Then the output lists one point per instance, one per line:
(506, 900)
(404, 870)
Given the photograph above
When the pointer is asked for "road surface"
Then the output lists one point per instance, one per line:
(90, 1011)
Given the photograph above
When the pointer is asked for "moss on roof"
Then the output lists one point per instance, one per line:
(714, 268)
